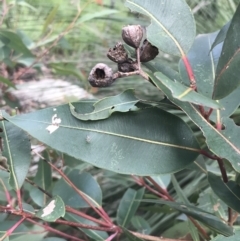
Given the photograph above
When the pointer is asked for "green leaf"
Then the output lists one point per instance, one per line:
(85, 183)
(43, 179)
(53, 210)
(223, 143)
(128, 206)
(7, 82)
(94, 234)
(141, 225)
(50, 18)
(235, 237)
(103, 108)
(130, 236)
(53, 239)
(12, 40)
(208, 219)
(172, 28)
(162, 180)
(180, 229)
(204, 63)
(228, 72)
(17, 150)
(211, 203)
(221, 35)
(119, 143)
(229, 192)
(89, 16)
(183, 198)
(184, 93)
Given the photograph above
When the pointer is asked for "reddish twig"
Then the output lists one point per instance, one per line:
(9, 231)
(53, 230)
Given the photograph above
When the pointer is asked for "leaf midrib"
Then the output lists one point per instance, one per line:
(117, 135)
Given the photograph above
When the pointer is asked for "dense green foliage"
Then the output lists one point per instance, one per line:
(123, 167)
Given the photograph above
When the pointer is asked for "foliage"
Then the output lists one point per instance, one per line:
(123, 167)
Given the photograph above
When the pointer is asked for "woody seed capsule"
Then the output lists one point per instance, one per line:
(100, 76)
(148, 51)
(132, 35)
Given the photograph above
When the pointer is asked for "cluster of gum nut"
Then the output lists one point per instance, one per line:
(102, 75)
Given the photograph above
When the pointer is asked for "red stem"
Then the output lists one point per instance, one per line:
(46, 227)
(189, 72)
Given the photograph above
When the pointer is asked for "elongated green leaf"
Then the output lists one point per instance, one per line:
(235, 237)
(94, 234)
(211, 203)
(141, 225)
(128, 206)
(227, 192)
(103, 108)
(130, 236)
(7, 82)
(13, 41)
(50, 18)
(89, 16)
(162, 180)
(85, 183)
(204, 63)
(208, 219)
(184, 93)
(228, 72)
(17, 150)
(172, 28)
(223, 143)
(43, 179)
(183, 198)
(147, 142)
(221, 35)
(53, 210)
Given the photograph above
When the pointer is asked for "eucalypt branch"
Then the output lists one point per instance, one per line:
(102, 75)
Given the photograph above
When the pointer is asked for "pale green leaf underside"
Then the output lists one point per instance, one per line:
(184, 93)
(103, 108)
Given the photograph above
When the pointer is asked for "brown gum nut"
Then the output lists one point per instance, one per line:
(148, 51)
(128, 66)
(117, 54)
(100, 76)
(132, 35)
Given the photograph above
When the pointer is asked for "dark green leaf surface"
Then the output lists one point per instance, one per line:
(235, 237)
(172, 28)
(13, 41)
(208, 219)
(103, 108)
(130, 236)
(85, 183)
(221, 35)
(204, 63)
(141, 225)
(145, 142)
(223, 143)
(17, 151)
(229, 192)
(209, 202)
(228, 71)
(184, 93)
(53, 210)
(43, 179)
(94, 234)
(128, 206)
